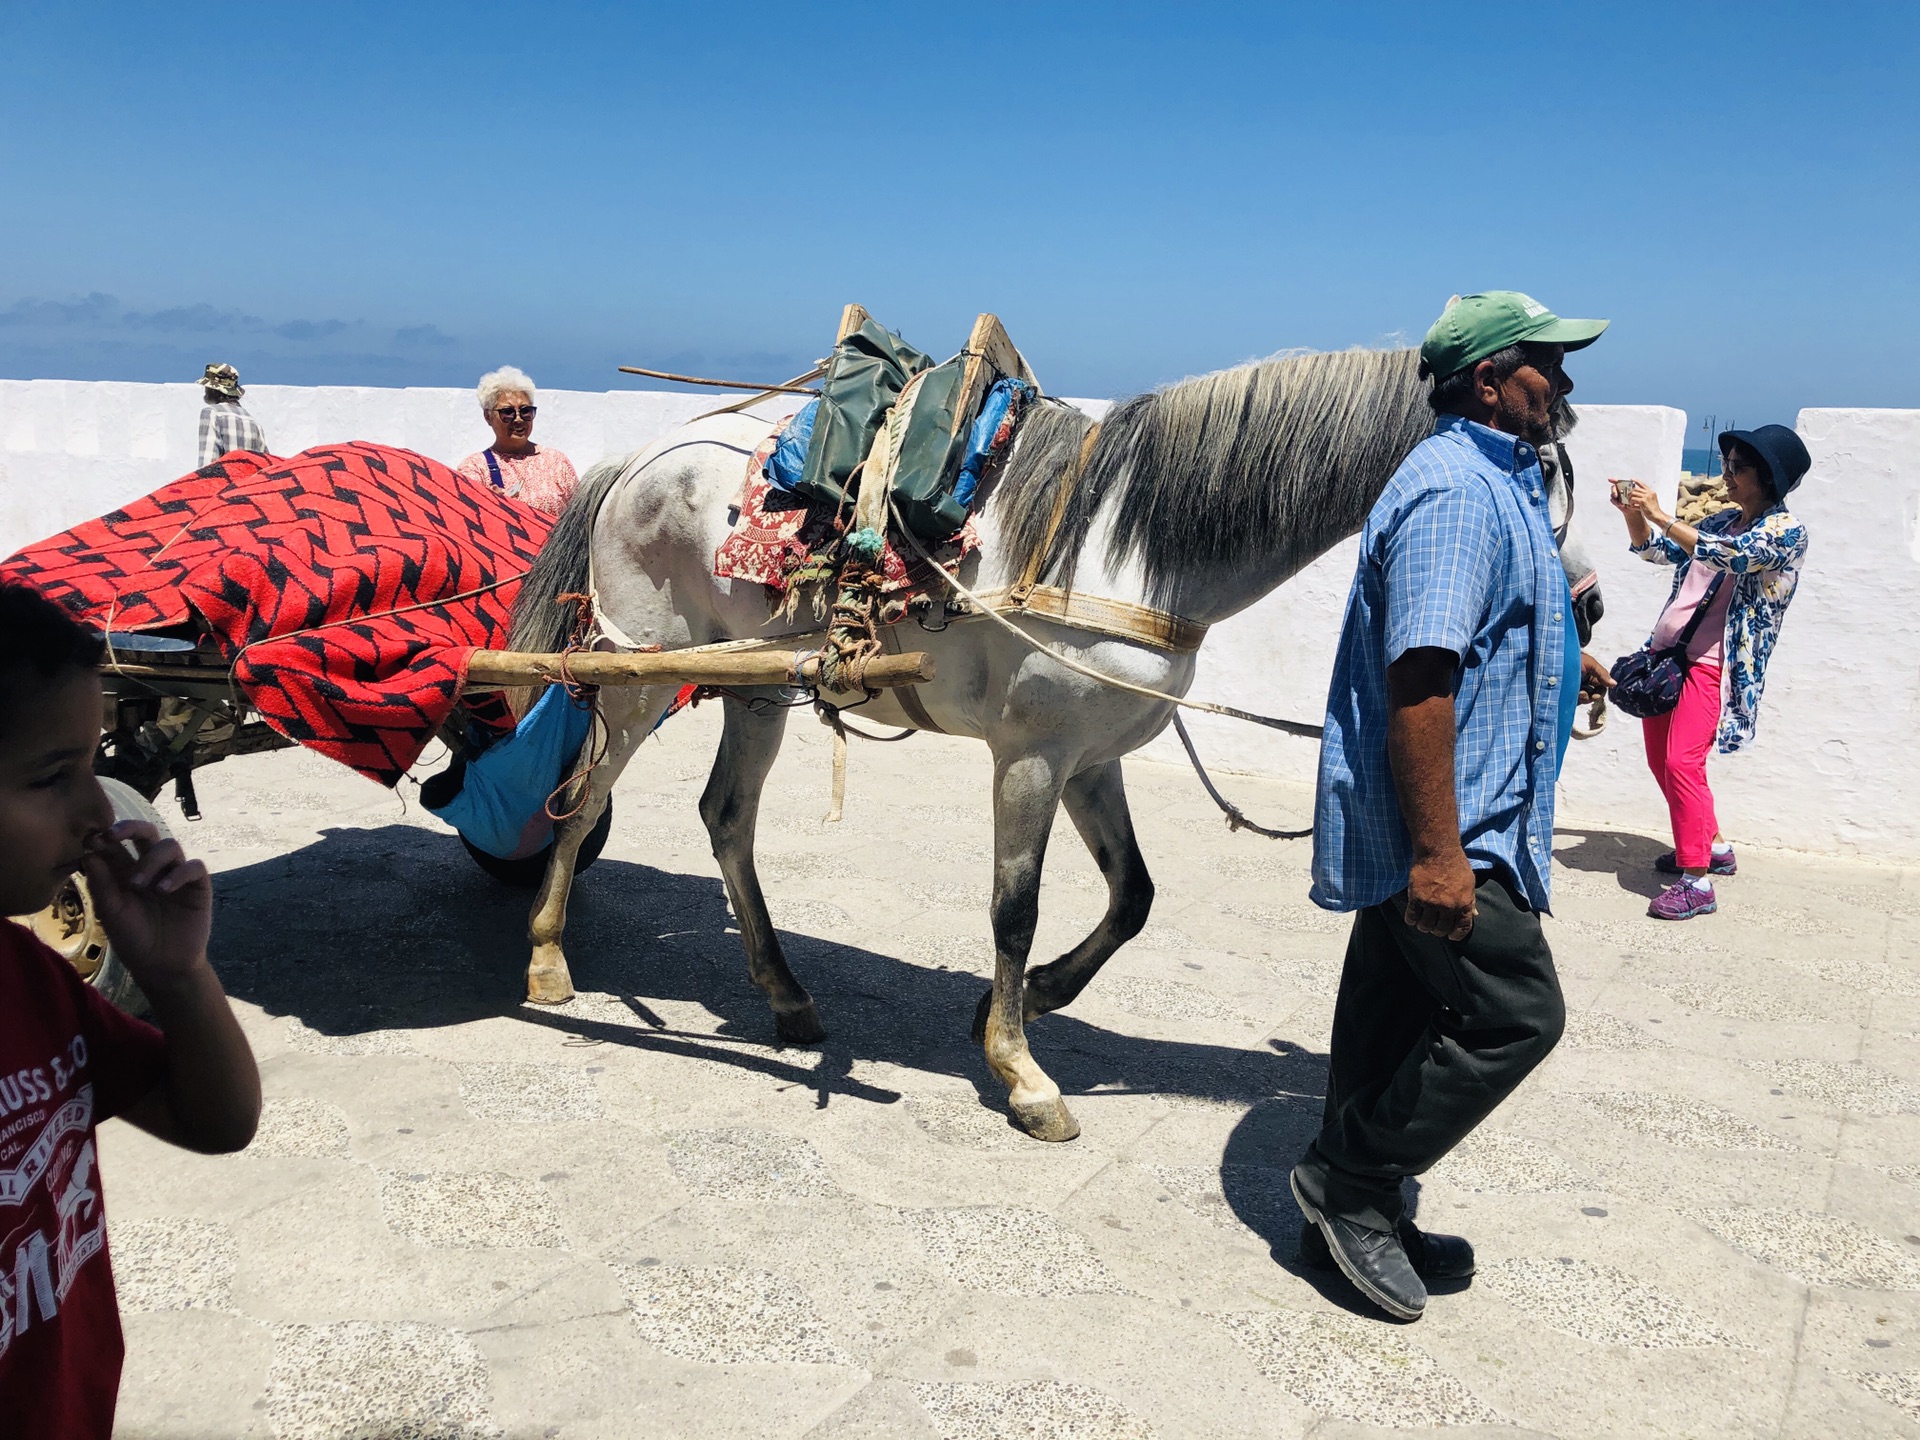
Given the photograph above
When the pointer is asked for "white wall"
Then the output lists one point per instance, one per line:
(74, 449)
(1833, 767)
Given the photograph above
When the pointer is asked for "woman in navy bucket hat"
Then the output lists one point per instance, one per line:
(1736, 572)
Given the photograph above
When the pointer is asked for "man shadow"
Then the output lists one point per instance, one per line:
(1625, 856)
(396, 928)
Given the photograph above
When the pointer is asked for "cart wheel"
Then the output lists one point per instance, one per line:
(70, 927)
(529, 870)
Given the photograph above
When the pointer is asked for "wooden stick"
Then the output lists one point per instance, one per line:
(494, 668)
(788, 389)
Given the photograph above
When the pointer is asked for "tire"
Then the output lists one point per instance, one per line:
(72, 930)
(529, 870)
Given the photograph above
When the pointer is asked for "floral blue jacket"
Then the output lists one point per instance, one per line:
(1765, 564)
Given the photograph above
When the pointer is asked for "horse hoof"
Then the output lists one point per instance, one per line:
(549, 987)
(1048, 1120)
(979, 1030)
(799, 1027)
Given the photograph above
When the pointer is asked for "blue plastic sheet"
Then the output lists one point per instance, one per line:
(789, 458)
(502, 807)
(985, 440)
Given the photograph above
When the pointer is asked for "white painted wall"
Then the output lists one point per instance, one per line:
(73, 449)
(1832, 768)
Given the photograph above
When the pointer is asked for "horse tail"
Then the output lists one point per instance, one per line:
(539, 625)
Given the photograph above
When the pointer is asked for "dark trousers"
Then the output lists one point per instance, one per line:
(1429, 1036)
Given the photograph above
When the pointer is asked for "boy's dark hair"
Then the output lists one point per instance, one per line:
(42, 643)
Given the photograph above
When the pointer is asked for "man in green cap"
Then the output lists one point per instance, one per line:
(1452, 698)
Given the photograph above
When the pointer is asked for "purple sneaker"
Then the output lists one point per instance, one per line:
(1683, 902)
(1718, 864)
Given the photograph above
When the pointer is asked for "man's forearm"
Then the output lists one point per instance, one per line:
(1420, 753)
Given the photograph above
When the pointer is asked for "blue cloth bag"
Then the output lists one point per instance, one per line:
(502, 806)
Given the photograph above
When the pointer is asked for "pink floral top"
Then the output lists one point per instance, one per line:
(543, 479)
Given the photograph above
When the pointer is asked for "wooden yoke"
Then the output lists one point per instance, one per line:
(991, 356)
(851, 319)
(493, 669)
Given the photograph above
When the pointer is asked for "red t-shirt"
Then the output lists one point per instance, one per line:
(68, 1060)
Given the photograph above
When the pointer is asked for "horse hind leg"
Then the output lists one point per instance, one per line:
(730, 807)
(629, 717)
(1026, 794)
(1096, 801)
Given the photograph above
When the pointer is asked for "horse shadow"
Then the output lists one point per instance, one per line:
(1625, 856)
(395, 927)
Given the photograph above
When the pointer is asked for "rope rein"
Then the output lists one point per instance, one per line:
(1236, 819)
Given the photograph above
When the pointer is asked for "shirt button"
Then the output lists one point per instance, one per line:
(1558, 616)
(1552, 680)
(1539, 745)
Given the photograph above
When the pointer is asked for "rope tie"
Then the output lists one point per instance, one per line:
(599, 738)
(1291, 727)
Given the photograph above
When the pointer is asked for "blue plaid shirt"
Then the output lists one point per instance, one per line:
(1458, 554)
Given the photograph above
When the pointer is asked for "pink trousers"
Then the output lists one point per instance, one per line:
(1677, 747)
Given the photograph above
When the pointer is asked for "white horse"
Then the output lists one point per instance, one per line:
(1195, 500)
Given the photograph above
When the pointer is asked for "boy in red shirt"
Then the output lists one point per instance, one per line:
(68, 1059)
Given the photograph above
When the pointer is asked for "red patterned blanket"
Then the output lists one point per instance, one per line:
(348, 586)
(768, 546)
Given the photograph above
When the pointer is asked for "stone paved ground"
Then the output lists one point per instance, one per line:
(637, 1216)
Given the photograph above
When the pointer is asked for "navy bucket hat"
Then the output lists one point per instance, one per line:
(1784, 460)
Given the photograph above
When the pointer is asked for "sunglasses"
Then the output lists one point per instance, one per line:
(513, 413)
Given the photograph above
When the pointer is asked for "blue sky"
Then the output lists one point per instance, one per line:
(408, 194)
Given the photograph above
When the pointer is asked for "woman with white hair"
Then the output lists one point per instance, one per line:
(535, 475)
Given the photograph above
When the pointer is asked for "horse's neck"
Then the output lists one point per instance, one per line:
(1204, 599)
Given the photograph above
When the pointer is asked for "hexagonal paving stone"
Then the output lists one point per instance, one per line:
(1680, 1121)
(1053, 1409)
(294, 1128)
(1164, 999)
(1600, 1303)
(1813, 1246)
(1854, 1086)
(1597, 1030)
(1261, 1203)
(365, 1042)
(172, 1264)
(528, 1093)
(964, 1120)
(745, 1164)
(1353, 1369)
(1899, 1388)
(463, 1211)
(1011, 1251)
(724, 1316)
(357, 1380)
(1501, 1164)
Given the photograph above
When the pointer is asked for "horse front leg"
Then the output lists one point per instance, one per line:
(1026, 792)
(1096, 800)
(731, 809)
(629, 717)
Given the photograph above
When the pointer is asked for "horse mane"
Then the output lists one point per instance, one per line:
(539, 625)
(1265, 464)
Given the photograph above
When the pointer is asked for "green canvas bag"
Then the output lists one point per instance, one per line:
(865, 375)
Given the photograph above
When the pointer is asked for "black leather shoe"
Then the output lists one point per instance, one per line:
(1436, 1259)
(1374, 1260)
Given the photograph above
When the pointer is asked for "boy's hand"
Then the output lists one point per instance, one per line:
(156, 905)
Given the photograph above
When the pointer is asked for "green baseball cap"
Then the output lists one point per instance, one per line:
(1473, 327)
